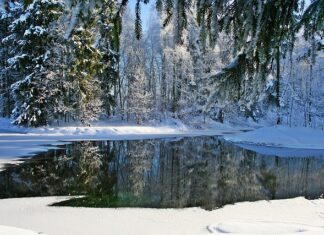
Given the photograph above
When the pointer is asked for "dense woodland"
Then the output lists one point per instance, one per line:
(226, 60)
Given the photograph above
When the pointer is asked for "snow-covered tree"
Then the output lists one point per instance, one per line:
(109, 25)
(302, 82)
(137, 92)
(85, 91)
(140, 99)
(62, 59)
(42, 43)
(9, 11)
(153, 57)
(37, 94)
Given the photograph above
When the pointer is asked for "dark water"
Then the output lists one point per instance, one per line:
(200, 171)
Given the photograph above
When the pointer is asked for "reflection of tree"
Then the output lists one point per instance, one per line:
(269, 182)
(247, 180)
(201, 177)
(140, 156)
(209, 173)
(77, 170)
(202, 171)
(226, 183)
(90, 164)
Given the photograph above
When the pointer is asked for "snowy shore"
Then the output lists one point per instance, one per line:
(282, 136)
(293, 216)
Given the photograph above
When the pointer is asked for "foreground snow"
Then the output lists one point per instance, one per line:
(292, 216)
(282, 136)
(264, 228)
(6, 230)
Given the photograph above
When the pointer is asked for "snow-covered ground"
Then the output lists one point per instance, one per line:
(6, 230)
(293, 216)
(282, 136)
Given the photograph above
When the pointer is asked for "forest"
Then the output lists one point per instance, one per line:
(227, 60)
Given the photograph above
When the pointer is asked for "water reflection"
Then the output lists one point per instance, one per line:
(202, 171)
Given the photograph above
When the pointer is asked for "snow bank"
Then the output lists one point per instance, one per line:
(283, 151)
(291, 216)
(264, 228)
(282, 136)
(6, 230)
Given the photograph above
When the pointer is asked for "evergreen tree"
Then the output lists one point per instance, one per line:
(37, 93)
(84, 69)
(109, 30)
(8, 13)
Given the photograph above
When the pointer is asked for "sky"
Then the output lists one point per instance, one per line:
(145, 10)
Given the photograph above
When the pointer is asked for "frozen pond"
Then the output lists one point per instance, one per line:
(164, 173)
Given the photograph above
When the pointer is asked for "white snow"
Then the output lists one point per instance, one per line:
(292, 216)
(6, 230)
(282, 151)
(282, 136)
(264, 228)
(15, 59)
(38, 30)
(22, 18)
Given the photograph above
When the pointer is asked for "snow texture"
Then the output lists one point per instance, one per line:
(6, 230)
(290, 216)
(282, 136)
(264, 228)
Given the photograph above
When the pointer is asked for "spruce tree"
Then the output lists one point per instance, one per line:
(109, 25)
(84, 69)
(8, 43)
(37, 93)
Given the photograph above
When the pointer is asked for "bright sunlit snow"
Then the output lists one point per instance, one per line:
(293, 216)
(282, 136)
